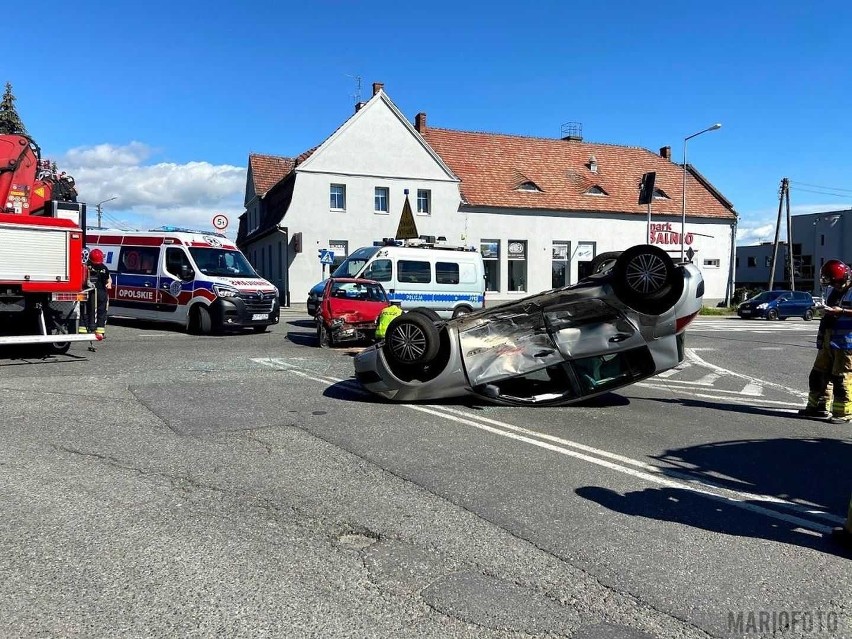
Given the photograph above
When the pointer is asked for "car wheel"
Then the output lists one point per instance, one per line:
(411, 338)
(462, 310)
(809, 315)
(323, 336)
(428, 312)
(645, 278)
(772, 314)
(603, 262)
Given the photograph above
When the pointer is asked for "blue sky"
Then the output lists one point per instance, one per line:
(160, 103)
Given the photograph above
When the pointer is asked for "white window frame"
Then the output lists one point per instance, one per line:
(332, 198)
(381, 193)
(424, 202)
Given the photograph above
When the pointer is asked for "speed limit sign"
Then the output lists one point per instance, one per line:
(220, 222)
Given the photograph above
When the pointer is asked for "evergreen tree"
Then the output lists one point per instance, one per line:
(10, 121)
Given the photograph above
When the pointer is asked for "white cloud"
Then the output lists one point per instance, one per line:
(158, 194)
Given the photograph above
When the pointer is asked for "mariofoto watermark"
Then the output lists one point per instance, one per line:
(778, 622)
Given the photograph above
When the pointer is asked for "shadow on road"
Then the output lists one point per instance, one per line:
(811, 472)
(691, 509)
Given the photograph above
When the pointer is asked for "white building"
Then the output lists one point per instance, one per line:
(538, 209)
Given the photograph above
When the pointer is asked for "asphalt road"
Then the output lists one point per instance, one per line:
(173, 485)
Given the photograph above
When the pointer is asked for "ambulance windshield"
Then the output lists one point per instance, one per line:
(219, 262)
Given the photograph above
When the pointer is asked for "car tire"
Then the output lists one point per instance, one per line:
(809, 315)
(462, 310)
(603, 262)
(411, 339)
(428, 312)
(772, 315)
(645, 278)
(323, 336)
(200, 322)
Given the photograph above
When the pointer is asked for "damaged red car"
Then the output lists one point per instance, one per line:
(349, 310)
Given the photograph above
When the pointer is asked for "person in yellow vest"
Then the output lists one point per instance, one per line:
(385, 318)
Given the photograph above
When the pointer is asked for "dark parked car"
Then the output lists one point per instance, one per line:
(775, 305)
(623, 323)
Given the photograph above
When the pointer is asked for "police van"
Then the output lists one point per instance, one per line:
(446, 278)
(196, 279)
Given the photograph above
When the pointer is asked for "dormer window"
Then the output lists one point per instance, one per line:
(659, 194)
(593, 164)
(528, 187)
(596, 190)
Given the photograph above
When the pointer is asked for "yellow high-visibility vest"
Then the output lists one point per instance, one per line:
(385, 318)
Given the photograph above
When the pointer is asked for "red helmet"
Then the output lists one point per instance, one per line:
(835, 273)
(97, 256)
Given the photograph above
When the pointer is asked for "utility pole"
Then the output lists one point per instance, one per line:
(98, 207)
(784, 186)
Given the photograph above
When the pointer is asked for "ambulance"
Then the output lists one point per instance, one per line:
(199, 280)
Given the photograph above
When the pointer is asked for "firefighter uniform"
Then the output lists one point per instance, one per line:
(95, 315)
(830, 380)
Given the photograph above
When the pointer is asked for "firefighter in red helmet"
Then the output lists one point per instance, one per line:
(830, 380)
(95, 309)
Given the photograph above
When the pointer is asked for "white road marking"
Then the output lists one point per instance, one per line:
(640, 470)
(696, 359)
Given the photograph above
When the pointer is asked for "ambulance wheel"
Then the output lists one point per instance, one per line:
(412, 339)
(200, 322)
(462, 310)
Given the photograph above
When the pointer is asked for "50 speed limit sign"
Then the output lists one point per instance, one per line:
(220, 222)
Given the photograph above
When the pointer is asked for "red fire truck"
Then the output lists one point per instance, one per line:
(43, 277)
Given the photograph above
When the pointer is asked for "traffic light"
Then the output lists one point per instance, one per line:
(297, 242)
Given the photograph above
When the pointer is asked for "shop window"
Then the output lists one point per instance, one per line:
(490, 250)
(517, 256)
(560, 264)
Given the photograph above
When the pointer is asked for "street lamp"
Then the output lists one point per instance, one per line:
(98, 207)
(683, 209)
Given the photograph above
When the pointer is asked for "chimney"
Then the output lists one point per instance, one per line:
(666, 152)
(358, 106)
(377, 86)
(420, 123)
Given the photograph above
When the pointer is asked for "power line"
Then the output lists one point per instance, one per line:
(843, 195)
(826, 188)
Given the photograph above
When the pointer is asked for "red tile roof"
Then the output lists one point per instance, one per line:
(268, 170)
(491, 167)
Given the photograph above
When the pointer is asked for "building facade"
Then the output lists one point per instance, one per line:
(816, 238)
(538, 209)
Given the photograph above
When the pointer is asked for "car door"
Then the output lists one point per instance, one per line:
(175, 284)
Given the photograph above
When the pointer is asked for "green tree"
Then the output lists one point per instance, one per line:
(10, 121)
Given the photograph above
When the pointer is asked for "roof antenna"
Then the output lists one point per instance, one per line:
(357, 94)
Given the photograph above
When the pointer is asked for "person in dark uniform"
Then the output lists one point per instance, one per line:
(95, 309)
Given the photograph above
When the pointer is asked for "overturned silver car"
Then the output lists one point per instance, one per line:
(622, 324)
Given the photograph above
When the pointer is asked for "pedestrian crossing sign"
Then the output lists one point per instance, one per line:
(326, 256)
